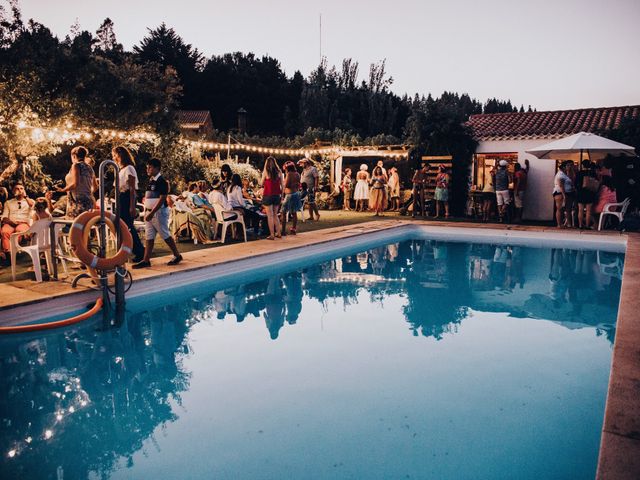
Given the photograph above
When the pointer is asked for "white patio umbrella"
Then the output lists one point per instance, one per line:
(582, 145)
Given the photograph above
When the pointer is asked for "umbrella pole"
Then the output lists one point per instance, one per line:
(580, 166)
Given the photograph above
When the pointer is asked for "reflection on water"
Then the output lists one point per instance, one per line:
(84, 400)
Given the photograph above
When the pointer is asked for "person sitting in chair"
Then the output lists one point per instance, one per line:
(16, 216)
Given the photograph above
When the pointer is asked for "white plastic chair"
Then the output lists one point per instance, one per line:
(226, 218)
(617, 210)
(40, 243)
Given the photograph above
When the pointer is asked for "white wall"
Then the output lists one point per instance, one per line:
(539, 201)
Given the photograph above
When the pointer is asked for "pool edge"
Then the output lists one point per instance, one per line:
(619, 456)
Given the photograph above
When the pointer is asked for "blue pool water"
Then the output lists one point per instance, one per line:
(418, 359)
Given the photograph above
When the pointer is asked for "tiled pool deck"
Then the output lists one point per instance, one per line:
(620, 444)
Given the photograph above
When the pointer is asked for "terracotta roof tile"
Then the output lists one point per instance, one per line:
(549, 124)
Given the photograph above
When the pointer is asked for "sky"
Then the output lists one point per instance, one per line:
(551, 54)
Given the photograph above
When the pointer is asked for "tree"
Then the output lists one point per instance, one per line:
(106, 37)
(165, 47)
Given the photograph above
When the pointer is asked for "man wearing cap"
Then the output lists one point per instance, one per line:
(503, 197)
(311, 177)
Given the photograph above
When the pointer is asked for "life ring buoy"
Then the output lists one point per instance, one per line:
(79, 237)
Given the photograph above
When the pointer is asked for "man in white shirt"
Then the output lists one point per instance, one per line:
(16, 215)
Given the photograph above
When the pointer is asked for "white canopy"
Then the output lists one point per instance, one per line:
(581, 145)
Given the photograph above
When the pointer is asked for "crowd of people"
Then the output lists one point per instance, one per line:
(377, 192)
(267, 207)
(580, 194)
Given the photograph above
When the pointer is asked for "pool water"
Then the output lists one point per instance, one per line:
(417, 359)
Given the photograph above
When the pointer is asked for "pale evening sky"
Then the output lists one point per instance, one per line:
(553, 54)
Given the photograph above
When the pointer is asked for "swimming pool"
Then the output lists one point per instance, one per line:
(411, 359)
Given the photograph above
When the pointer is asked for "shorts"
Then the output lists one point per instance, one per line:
(158, 224)
(291, 202)
(311, 196)
(441, 194)
(269, 200)
(518, 199)
(503, 197)
(586, 197)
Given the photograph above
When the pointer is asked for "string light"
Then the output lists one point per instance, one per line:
(68, 134)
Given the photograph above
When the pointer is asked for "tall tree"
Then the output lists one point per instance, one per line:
(166, 48)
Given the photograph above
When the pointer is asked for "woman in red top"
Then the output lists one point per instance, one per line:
(272, 195)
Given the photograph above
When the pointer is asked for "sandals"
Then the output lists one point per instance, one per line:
(292, 231)
(278, 235)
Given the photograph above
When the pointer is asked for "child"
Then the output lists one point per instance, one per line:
(40, 211)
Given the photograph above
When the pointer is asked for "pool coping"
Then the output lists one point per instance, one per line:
(619, 455)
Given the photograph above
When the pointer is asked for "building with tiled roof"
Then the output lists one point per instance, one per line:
(195, 124)
(508, 136)
(549, 125)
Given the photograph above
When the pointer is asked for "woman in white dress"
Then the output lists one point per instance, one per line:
(361, 193)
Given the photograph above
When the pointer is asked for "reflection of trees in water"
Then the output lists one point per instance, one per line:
(436, 287)
(75, 402)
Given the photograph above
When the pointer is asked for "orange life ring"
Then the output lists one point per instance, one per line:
(79, 237)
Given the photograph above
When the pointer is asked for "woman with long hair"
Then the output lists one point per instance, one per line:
(292, 202)
(378, 195)
(271, 196)
(345, 186)
(80, 184)
(587, 186)
(128, 184)
(563, 196)
(441, 195)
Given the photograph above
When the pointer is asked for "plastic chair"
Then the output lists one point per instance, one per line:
(226, 218)
(40, 243)
(612, 209)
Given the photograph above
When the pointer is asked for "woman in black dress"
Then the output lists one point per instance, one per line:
(587, 193)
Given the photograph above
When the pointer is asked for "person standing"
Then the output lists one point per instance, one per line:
(16, 216)
(361, 193)
(311, 177)
(156, 215)
(378, 193)
(563, 196)
(394, 189)
(519, 188)
(501, 182)
(441, 194)
(587, 186)
(80, 184)
(419, 181)
(488, 195)
(345, 186)
(225, 176)
(272, 196)
(128, 184)
(291, 203)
